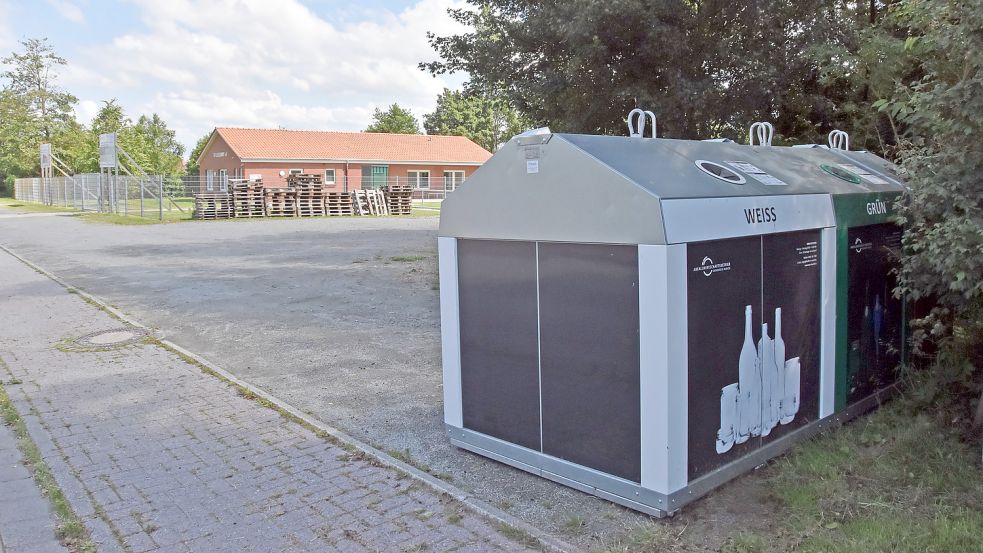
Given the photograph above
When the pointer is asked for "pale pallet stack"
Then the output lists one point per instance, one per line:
(247, 198)
(309, 194)
(399, 198)
(280, 202)
(338, 203)
(370, 202)
(213, 205)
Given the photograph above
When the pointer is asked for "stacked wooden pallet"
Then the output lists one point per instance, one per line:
(399, 198)
(338, 203)
(309, 194)
(247, 198)
(213, 205)
(370, 202)
(280, 202)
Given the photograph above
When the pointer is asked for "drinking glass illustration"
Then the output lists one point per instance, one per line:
(791, 400)
(729, 418)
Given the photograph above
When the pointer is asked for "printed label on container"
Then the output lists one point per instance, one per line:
(532, 166)
(757, 174)
(864, 174)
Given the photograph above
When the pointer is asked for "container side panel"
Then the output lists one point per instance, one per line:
(792, 282)
(589, 331)
(874, 316)
(499, 357)
(827, 364)
(450, 337)
(723, 280)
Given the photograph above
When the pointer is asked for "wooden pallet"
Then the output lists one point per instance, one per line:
(280, 202)
(247, 198)
(338, 203)
(213, 205)
(310, 194)
(399, 198)
(370, 202)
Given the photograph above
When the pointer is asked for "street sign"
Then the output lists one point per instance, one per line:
(46, 156)
(107, 150)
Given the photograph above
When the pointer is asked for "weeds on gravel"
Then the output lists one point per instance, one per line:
(70, 530)
(519, 535)
(648, 537)
(407, 258)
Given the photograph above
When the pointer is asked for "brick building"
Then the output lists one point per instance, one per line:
(346, 160)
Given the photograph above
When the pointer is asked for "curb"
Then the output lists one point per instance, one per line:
(549, 542)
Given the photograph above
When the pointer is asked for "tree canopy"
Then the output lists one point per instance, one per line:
(486, 120)
(395, 119)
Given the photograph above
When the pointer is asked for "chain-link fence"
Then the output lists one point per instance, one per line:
(153, 196)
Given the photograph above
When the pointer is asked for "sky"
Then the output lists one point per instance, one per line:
(296, 64)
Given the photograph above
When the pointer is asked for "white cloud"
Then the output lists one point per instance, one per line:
(259, 63)
(68, 10)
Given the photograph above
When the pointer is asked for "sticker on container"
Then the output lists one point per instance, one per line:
(757, 174)
(864, 174)
(532, 166)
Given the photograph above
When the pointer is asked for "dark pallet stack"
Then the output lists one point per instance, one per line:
(399, 198)
(338, 203)
(247, 198)
(309, 193)
(213, 205)
(280, 202)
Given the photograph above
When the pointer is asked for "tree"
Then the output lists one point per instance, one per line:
(32, 77)
(192, 167)
(162, 153)
(485, 120)
(394, 120)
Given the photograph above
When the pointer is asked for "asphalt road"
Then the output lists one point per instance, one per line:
(338, 317)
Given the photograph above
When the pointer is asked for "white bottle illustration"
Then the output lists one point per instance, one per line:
(747, 381)
(790, 402)
(766, 361)
(778, 385)
(729, 418)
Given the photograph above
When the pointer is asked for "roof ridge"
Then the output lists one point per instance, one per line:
(340, 132)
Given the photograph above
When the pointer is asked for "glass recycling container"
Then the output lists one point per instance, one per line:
(638, 318)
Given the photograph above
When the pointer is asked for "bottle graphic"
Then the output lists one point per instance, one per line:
(766, 356)
(747, 381)
(728, 418)
(793, 372)
(878, 321)
(778, 386)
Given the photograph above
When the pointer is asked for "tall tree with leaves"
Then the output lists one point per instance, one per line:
(192, 166)
(486, 120)
(395, 119)
(32, 77)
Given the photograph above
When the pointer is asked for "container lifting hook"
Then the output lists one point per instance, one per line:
(641, 117)
(764, 131)
(839, 140)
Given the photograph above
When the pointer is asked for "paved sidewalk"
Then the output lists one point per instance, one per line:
(27, 523)
(155, 455)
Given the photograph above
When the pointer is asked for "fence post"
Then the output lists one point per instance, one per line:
(160, 196)
(141, 200)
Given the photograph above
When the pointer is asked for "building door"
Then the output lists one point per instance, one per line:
(374, 176)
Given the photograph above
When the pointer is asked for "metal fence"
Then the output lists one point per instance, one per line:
(153, 196)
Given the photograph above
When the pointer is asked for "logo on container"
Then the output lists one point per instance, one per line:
(859, 245)
(708, 267)
(878, 207)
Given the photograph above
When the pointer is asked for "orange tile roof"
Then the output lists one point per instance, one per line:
(318, 145)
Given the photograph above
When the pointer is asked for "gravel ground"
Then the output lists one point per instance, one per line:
(326, 315)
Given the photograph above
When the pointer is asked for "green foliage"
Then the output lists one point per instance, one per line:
(486, 120)
(394, 120)
(192, 168)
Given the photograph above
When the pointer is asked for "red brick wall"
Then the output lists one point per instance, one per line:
(270, 172)
(230, 162)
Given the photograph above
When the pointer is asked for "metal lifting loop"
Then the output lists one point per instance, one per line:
(764, 132)
(652, 115)
(839, 140)
(632, 131)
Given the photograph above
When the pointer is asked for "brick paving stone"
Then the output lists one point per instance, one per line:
(168, 458)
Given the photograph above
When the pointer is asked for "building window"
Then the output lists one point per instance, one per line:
(210, 180)
(255, 176)
(419, 179)
(223, 180)
(296, 171)
(453, 179)
(329, 177)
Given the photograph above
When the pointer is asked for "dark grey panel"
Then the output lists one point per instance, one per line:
(589, 336)
(499, 351)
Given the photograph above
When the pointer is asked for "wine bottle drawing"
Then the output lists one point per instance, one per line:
(766, 360)
(767, 392)
(778, 384)
(747, 380)
(729, 418)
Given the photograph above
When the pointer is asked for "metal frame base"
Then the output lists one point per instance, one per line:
(631, 494)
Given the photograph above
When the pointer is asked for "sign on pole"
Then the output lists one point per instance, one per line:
(107, 150)
(46, 156)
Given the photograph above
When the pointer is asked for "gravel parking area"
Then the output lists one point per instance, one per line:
(337, 316)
